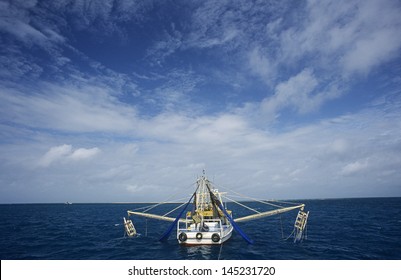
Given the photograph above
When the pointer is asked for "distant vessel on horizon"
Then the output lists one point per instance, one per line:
(68, 203)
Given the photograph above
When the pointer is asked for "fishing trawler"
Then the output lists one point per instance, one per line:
(210, 222)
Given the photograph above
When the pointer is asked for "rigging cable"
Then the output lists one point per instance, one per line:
(174, 209)
(251, 198)
(249, 208)
(293, 231)
(261, 201)
(160, 203)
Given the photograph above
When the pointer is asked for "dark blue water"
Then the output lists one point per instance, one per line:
(367, 228)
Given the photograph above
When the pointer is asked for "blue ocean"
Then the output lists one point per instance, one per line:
(364, 228)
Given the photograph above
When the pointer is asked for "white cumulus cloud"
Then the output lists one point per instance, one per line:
(66, 152)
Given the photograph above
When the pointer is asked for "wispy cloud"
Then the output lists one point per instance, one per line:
(17, 20)
(54, 154)
(346, 36)
(262, 66)
(300, 92)
(67, 109)
(67, 153)
(82, 153)
(170, 42)
(354, 167)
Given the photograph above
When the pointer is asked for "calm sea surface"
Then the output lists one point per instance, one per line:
(366, 228)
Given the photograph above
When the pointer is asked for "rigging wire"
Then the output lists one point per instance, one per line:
(260, 201)
(251, 198)
(168, 200)
(146, 229)
(306, 231)
(174, 209)
(249, 208)
(291, 234)
(282, 231)
(254, 199)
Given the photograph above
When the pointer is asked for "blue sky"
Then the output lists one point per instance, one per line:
(128, 101)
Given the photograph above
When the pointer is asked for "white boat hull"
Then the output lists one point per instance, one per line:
(192, 237)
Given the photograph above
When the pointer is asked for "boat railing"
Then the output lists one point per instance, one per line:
(185, 225)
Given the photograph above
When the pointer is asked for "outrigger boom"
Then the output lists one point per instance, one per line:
(210, 222)
(268, 213)
(152, 216)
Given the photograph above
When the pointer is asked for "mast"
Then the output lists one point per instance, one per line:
(203, 200)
